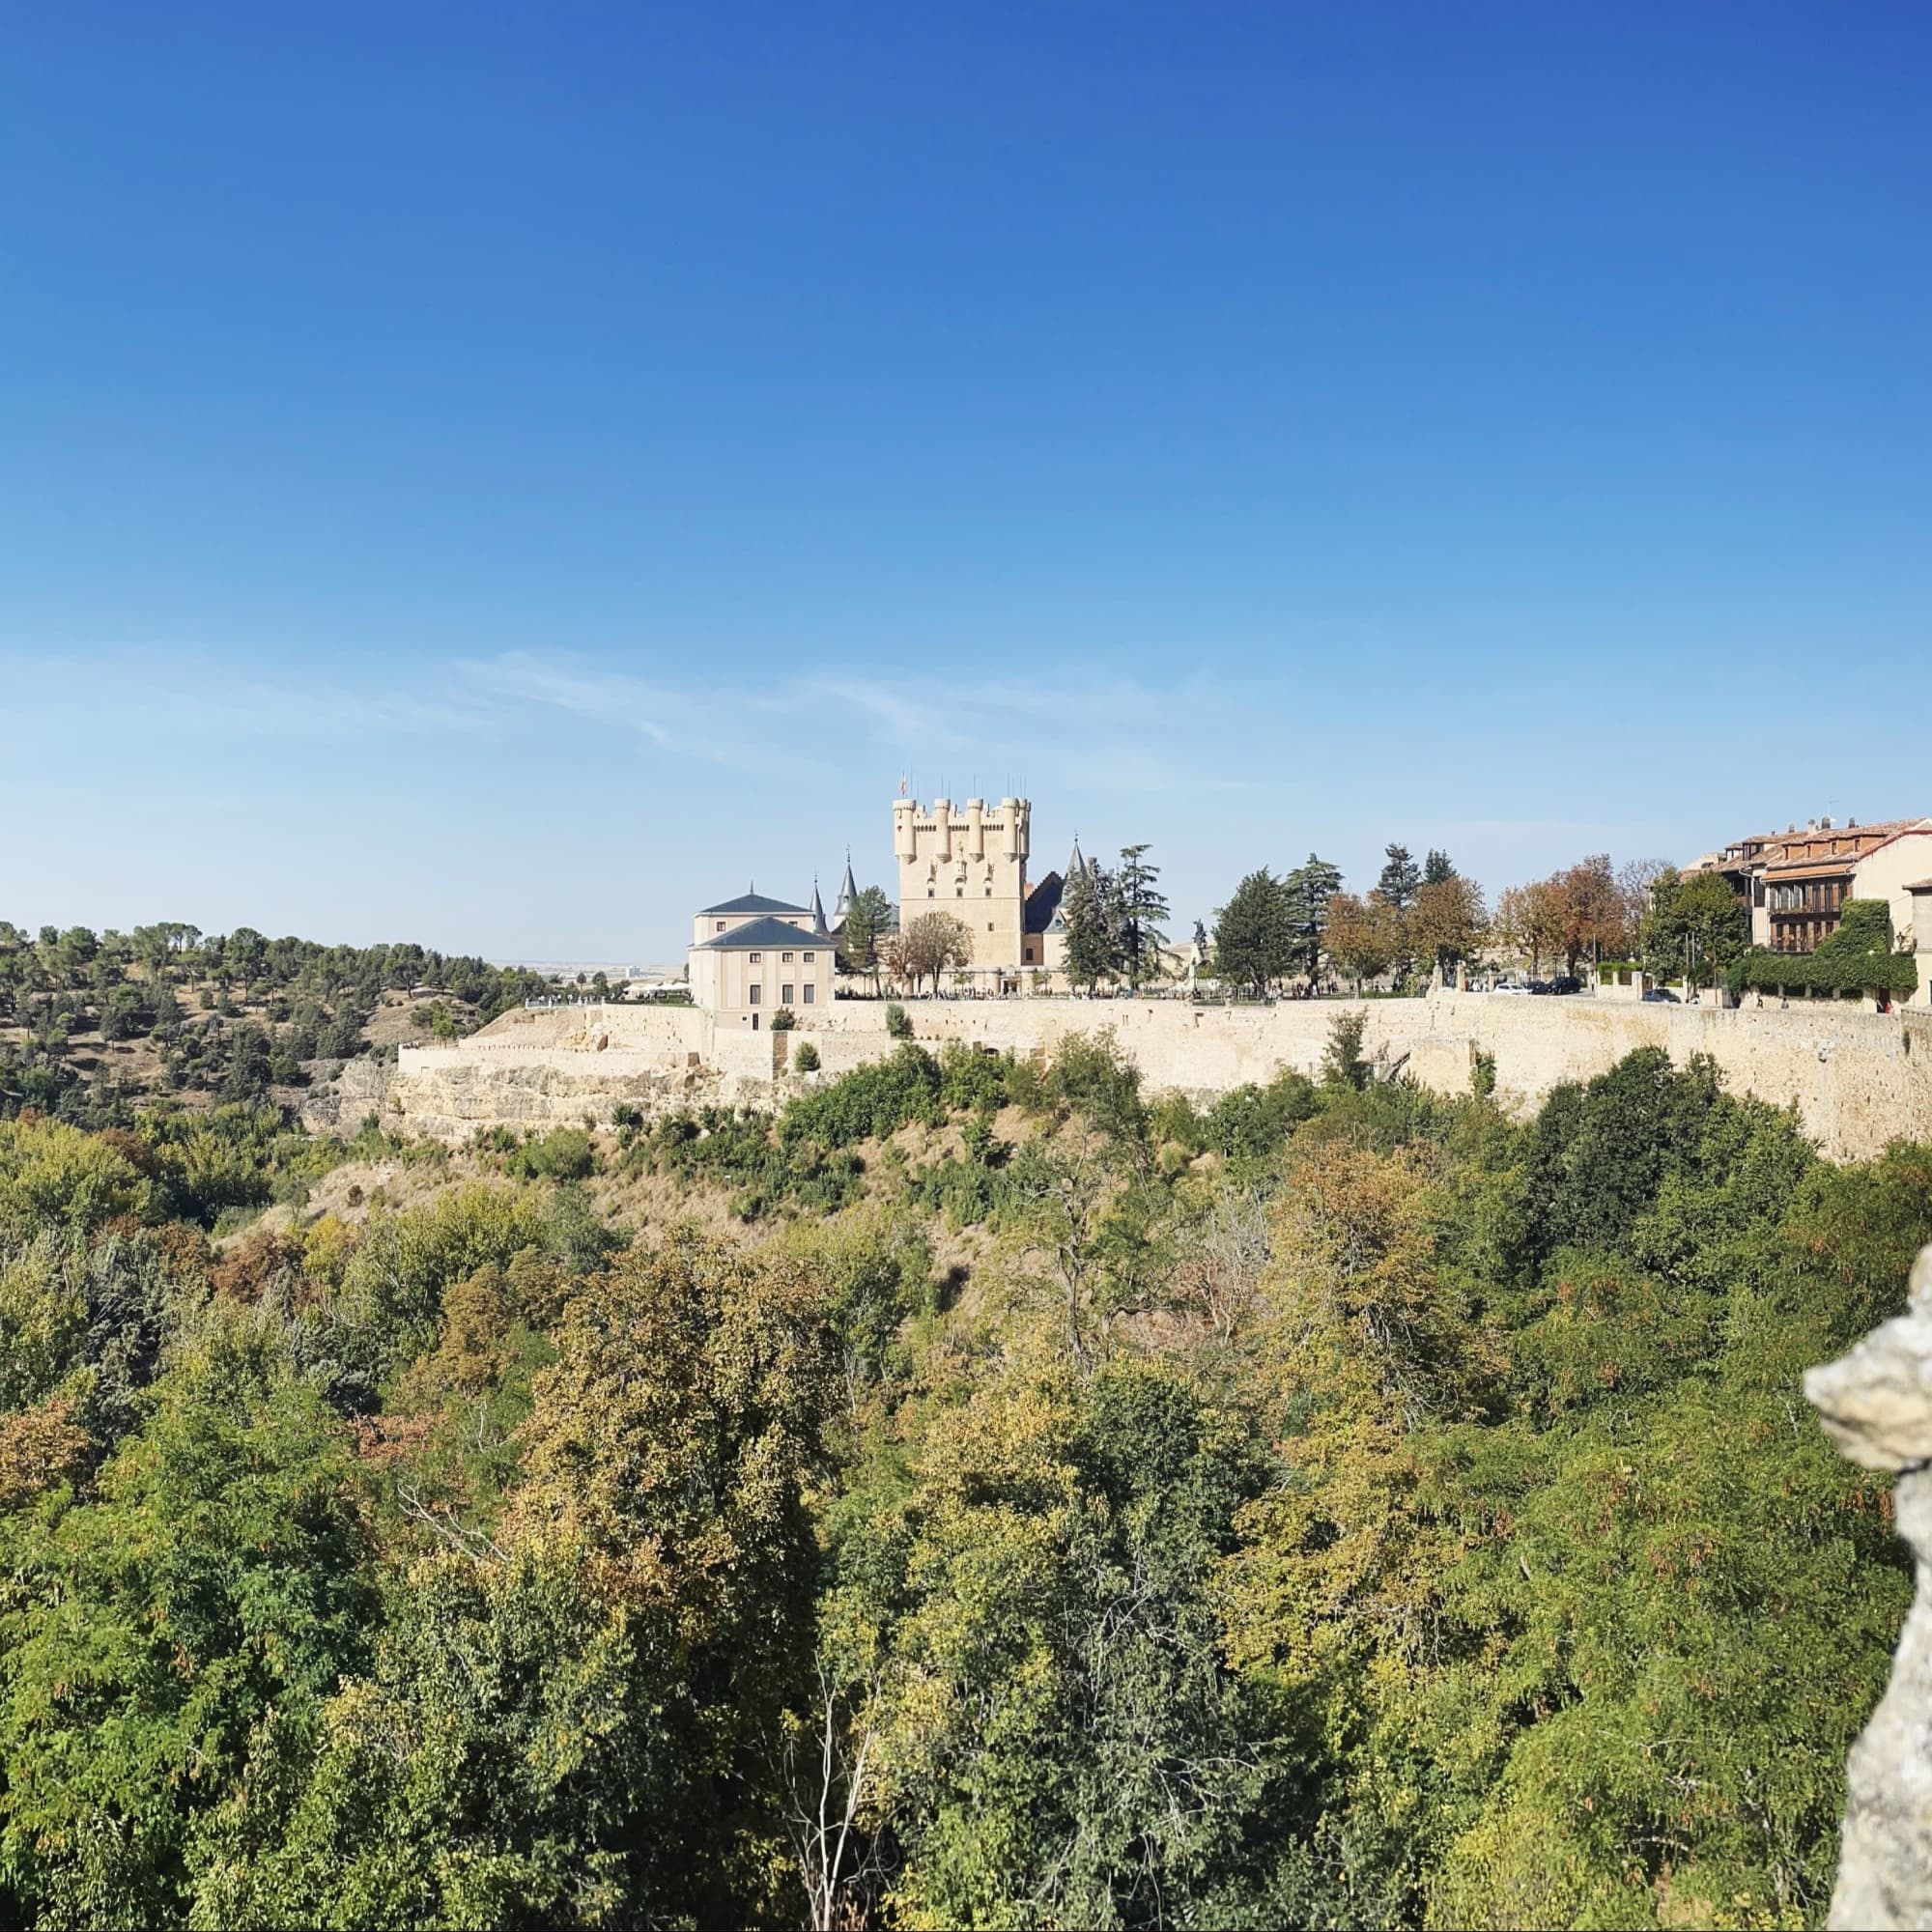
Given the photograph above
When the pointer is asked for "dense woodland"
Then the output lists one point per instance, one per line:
(979, 1495)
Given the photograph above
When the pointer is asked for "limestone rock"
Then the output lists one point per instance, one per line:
(1877, 1403)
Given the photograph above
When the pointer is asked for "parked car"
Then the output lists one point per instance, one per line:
(1566, 982)
(1540, 986)
(1509, 987)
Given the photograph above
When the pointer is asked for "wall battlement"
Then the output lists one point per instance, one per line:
(1858, 1079)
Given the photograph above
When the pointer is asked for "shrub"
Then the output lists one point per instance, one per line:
(784, 1020)
(806, 1060)
(897, 1026)
(871, 1102)
(564, 1153)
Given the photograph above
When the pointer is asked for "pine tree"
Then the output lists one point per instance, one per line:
(1141, 910)
(1253, 936)
(1092, 935)
(1400, 878)
(1437, 868)
(1308, 888)
(865, 922)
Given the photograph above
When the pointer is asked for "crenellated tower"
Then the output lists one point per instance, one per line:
(971, 862)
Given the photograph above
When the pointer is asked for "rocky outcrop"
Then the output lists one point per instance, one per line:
(1876, 1402)
(338, 1103)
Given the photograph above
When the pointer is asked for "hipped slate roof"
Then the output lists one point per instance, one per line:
(1043, 902)
(751, 902)
(763, 932)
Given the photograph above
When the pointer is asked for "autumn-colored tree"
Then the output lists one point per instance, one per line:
(1449, 923)
(1364, 936)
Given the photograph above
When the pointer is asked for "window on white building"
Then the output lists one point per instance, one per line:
(757, 959)
(753, 992)
(786, 995)
(811, 994)
(784, 959)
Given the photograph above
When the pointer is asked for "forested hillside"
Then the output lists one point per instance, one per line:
(978, 1496)
(93, 1024)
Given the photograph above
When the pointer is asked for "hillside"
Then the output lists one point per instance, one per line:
(94, 1025)
(976, 1495)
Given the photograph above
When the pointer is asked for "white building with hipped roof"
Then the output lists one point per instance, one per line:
(754, 956)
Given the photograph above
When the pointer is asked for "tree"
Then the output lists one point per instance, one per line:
(868, 920)
(1063, 1741)
(1253, 938)
(1364, 935)
(1088, 909)
(220, 1583)
(1142, 910)
(1307, 891)
(1449, 923)
(1697, 927)
(1399, 878)
(929, 945)
(1595, 916)
(1343, 1064)
(1438, 868)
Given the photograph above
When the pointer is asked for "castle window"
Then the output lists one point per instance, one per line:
(809, 958)
(752, 994)
(721, 925)
(757, 959)
(930, 892)
(989, 926)
(811, 994)
(784, 959)
(960, 893)
(786, 995)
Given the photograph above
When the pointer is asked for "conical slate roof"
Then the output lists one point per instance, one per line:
(848, 891)
(817, 909)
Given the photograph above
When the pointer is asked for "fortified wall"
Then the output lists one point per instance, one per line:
(1858, 1079)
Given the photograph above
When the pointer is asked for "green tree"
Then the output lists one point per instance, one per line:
(1060, 1740)
(1438, 868)
(1696, 926)
(1143, 913)
(1088, 910)
(1307, 891)
(150, 1639)
(1399, 878)
(1254, 937)
(867, 920)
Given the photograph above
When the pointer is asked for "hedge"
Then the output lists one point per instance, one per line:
(1841, 973)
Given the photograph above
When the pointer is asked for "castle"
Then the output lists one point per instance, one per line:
(753, 956)
(971, 862)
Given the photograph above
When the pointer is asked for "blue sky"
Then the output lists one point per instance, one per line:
(506, 475)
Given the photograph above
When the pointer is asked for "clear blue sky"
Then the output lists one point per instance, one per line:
(503, 476)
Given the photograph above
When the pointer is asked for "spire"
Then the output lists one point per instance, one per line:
(848, 888)
(817, 907)
(1076, 863)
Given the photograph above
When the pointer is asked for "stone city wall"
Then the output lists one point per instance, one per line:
(1858, 1078)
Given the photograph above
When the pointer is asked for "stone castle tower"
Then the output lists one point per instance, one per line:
(971, 862)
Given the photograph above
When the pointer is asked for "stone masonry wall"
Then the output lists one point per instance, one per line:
(1856, 1078)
